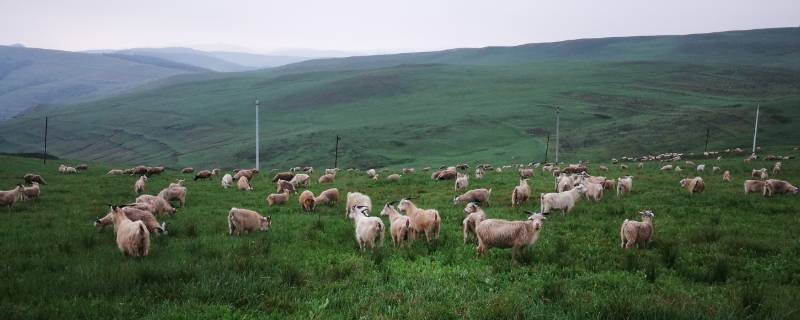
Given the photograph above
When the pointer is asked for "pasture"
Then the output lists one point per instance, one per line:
(718, 255)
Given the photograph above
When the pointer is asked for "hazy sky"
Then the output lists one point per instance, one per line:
(367, 26)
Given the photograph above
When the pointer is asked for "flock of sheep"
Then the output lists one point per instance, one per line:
(134, 222)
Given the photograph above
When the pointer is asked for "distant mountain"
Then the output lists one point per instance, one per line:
(221, 61)
(30, 77)
(257, 61)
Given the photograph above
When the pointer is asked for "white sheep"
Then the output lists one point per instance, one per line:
(371, 173)
(516, 235)
(633, 232)
(243, 184)
(138, 187)
(115, 172)
(133, 238)
(159, 205)
(701, 168)
(666, 168)
(521, 193)
(301, 179)
(306, 201)
(624, 185)
(326, 178)
(474, 195)
(425, 221)
(773, 186)
(357, 199)
(564, 201)
(399, 225)
(392, 177)
(479, 173)
(726, 176)
(10, 197)
(754, 186)
(693, 185)
(227, 181)
(174, 192)
(243, 220)
(134, 214)
(594, 191)
(278, 198)
(32, 192)
(473, 216)
(329, 197)
(367, 229)
(462, 181)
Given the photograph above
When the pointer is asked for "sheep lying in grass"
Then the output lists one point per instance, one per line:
(31, 178)
(399, 225)
(243, 184)
(62, 169)
(134, 214)
(393, 177)
(666, 168)
(564, 201)
(473, 216)
(10, 197)
(462, 181)
(369, 230)
(408, 171)
(474, 195)
(521, 193)
(357, 199)
(693, 185)
(174, 192)
(159, 205)
(773, 186)
(754, 186)
(516, 235)
(635, 232)
(326, 178)
(115, 172)
(278, 198)
(726, 176)
(301, 179)
(306, 201)
(329, 197)
(624, 185)
(425, 221)
(204, 174)
(243, 220)
(138, 187)
(133, 238)
(285, 186)
(227, 181)
(187, 170)
(371, 173)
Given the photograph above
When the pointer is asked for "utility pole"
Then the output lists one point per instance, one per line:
(708, 132)
(755, 131)
(258, 160)
(44, 155)
(558, 111)
(336, 154)
(547, 148)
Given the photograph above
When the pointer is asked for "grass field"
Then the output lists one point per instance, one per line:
(719, 254)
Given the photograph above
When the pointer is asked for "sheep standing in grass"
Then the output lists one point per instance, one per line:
(715, 169)
(776, 168)
(462, 181)
(134, 214)
(329, 197)
(634, 232)
(10, 197)
(158, 204)
(473, 216)
(594, 191)
(392, 177)
(31, 178)
(624, 185)
(521, 193)
(474, 195)
(526, 173)
(243, 220)
(283, 176)
(174, 192)
(371, 173)
(425, 221)
(399, 225)
(357, 199)
(753, 186)
(62, 169)
(564, 201)
(693, 185)
(138, 187)
(516, 235)
(133, 238)
(701, 168)
(285, 186)
(227, 181)
(326, 178)
(243, 184)
(301, 179)
(726, 176)
(479, 173)
(773, 186)
(187, 170)
(278, 198)
(369, 230)
(245, 173)
(32, 192)
(205, 174)
(306, 201)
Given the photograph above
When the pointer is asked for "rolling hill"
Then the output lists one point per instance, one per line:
(220, 61)
(618, 96)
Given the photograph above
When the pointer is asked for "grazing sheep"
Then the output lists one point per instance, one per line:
(115, 172)
(564, 201)
(516, 235)
(399, 225)
(285, 186)
(308, 170)
(521, 193)
(634, 232)
(757, 172)
(140, 170)
(329, 197)
(159, 205)
(393, 177)
(243, 220)
(204, 174)
(306, 201)
(301, 179)
(10, 197)
(82, 167)
(155, 170)
(368, 229)
(694, 185)
(603, 168)
(227, 181)
(248, 173)
(371, 173)
(773, 186)
(408, 171)
(425, 221)
(283, 176)
(138, 187)
(31, 178)
(526, 173)
(666, 168)
(174, 192)
(594, 191)
(357, 199)
(624, 185)
(134, 214)
(564, 182)
(609, 184)
(278, 198)
(479, 173)
(331, 171)
(473, 216)
(754, 186)
(462, 181)
(701, 168)
(133, 238)
(32, 192)
(243, 184)
(776, 168)
(187, 170)
(764, 175)
(326, 178)
(726, 176)
(62, 169)
(474, 195)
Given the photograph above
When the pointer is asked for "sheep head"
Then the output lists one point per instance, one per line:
(471, 207)
(266, 223)
(647, 214)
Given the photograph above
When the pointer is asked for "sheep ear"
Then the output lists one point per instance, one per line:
(269, 218)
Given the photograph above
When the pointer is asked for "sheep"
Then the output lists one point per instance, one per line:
(640, 165)
(243, 184)
(776, 168)
(10, 197)
(159, 205)
(62, 169)
(278, 198)
(133, 238)
(715, 169)
(140, 170)
(115, 172)
(243, 220)
(516, 235)
(634, 232)
(204, 174)
(301, 179)
(308, 170)
(594, 191)
(187, 170)
(82, 167)
(30, 178)
(425, 221)
(690, 163)
(773, 186)
(624, 185)
(526, 173)
(329, 196)
(446, 174)
(726, 176)
(474, 195)
(174, 192)
(609, 184)
(623, 167)
(603, 168)
(248, 173)
(666, 168)
(283, 176)
(521, 193)
(138, 187)
(368, 229)
(285, 186)
(399, 225)
(701, 168)
(408, 171)
(32, 192)
(306, 201)
(473, 216)
(155, 170)
(764, 175)
(177, 183)
(564, 183)
(357, 199)
(678, 169)
(754, 186)
(371, 173)
(326, 178)
(757, 172)
(479, 173)
(693, 185)
(134, 214)
(227, 181)
(393, 177)
(462, 181)
(331, 171)
(563, 201)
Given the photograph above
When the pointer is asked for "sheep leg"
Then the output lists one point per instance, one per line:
(466, 234)
(629, 244)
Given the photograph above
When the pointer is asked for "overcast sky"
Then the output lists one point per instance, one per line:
(367, 26)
